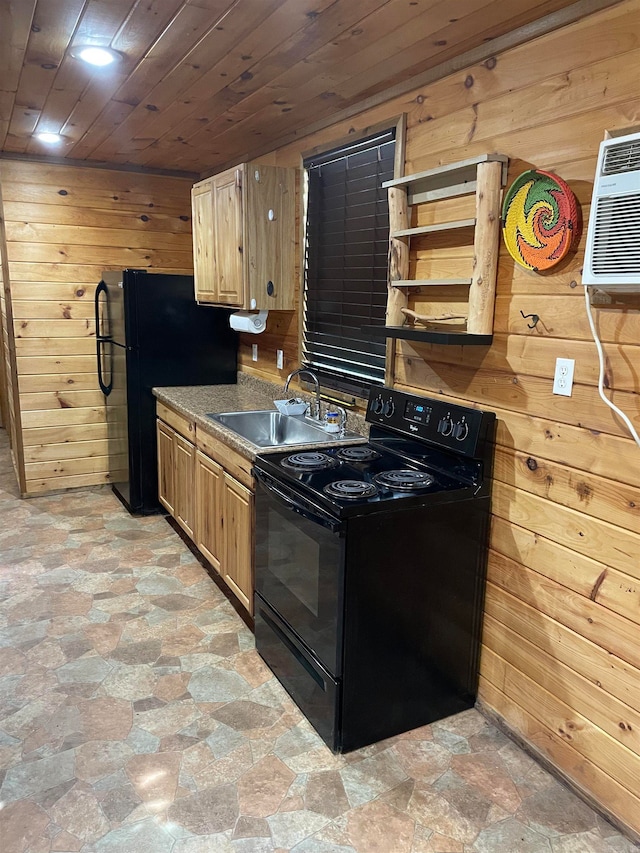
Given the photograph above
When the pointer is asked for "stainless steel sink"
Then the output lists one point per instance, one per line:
(272, 429)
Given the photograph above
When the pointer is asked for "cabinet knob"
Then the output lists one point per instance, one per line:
(270, 288)
(271, 215)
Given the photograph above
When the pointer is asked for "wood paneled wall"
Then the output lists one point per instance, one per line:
(9, 382)
(561, 652)
(64, 225)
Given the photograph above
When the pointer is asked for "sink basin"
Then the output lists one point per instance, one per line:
(272, 429)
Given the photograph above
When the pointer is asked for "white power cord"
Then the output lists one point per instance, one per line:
(596, 339)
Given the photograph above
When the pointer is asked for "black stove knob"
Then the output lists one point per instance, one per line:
(388, 409)
(377, 406)
(461, 431)
(445, 426)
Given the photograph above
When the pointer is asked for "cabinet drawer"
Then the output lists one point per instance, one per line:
(232, 461)
(178, 422)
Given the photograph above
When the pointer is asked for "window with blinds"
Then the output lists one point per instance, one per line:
(346, 247)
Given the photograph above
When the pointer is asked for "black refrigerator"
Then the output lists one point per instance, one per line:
(151, 332)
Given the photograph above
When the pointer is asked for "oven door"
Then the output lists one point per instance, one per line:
(299, 567)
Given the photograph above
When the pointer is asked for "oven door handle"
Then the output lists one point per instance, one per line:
(306, 509)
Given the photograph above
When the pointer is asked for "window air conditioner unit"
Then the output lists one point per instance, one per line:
(612, 256)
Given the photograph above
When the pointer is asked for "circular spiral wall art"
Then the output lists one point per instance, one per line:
(539, 220)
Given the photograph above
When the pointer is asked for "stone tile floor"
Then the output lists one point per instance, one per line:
(136, 717)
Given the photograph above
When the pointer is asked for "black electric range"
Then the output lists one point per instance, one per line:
(370, 563)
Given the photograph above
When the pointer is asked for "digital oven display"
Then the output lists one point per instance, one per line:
(417, 412)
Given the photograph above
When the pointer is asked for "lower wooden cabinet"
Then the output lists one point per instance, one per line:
(211, 505)
(237, 537)
(185, 503)
(176, 468)
(166, 467)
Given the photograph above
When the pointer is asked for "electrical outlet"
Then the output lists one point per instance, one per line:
(254, 352)
(563, 377)
(279, 359)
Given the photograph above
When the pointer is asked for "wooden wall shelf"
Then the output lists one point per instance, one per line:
(447, 181)
(428, 336)
(430, 229)
(485, 176)
(430, 282)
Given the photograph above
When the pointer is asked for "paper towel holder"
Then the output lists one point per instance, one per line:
(248, 321)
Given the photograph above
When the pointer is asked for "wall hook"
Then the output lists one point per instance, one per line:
(535, 319)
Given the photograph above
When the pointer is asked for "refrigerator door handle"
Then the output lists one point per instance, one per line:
(101, 339)
(105, 388)
(101, 288)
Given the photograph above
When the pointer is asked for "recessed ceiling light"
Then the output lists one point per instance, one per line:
(99, 56)
(49, 138)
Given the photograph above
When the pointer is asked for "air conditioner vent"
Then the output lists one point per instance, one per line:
(612, 253)
(616, 236)
(622, 158)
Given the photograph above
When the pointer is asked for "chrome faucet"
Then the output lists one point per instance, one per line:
(316, 411)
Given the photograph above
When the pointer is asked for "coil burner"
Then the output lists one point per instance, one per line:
(350, 489)
(405, 480)
(310, 461)
(357, 454)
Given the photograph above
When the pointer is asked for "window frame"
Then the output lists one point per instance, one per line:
(397, 123)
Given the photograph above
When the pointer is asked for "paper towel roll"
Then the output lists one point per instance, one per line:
(248, 321)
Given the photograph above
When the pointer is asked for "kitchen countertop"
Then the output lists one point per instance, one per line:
(250, 394)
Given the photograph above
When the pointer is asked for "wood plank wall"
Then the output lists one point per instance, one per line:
(561, 657)
(5, 372)
(64, 225)
(10, 403)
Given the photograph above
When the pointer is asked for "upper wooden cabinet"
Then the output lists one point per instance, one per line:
(244, 238)
(202, 219)
(228, 237)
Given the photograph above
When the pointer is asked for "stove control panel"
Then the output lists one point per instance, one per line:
(455, 427)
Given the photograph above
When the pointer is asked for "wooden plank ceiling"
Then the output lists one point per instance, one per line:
(206, 83)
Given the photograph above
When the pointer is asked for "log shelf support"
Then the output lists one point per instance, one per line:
(397, 297)
(482, 291)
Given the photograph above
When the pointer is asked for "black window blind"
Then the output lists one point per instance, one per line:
(347, 243)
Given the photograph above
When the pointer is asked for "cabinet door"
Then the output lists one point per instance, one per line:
(166, 467)
(228, 237)
(203, 255)
(185, 455)
(238, 540)
(209, 484)
(270, 228)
